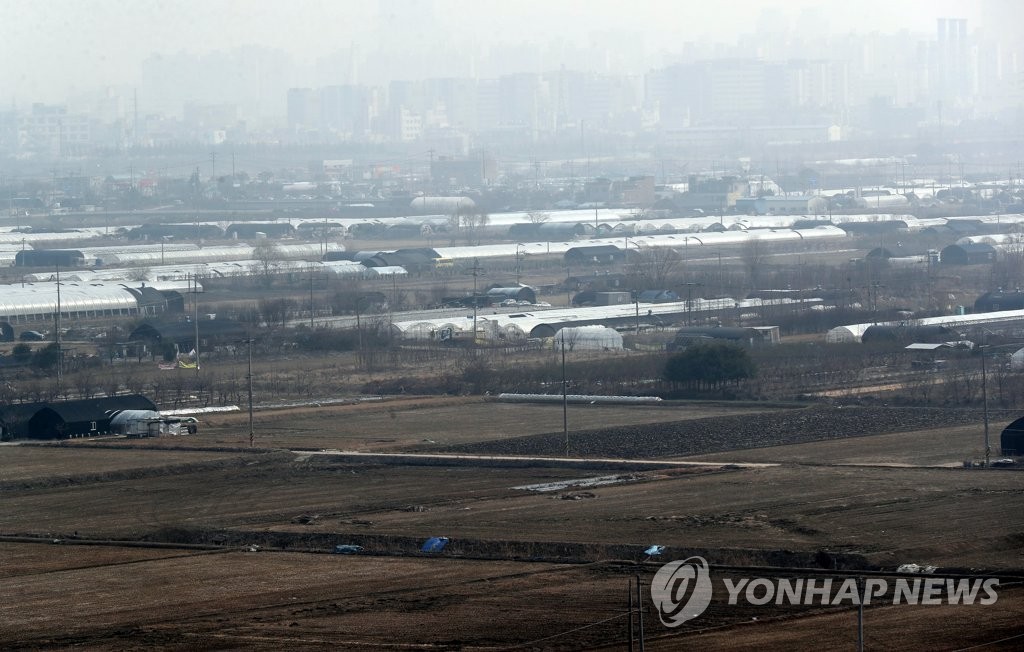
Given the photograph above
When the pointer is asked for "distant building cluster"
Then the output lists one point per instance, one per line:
(770, 88)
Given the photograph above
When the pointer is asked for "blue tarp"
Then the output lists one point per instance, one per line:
(347, 549)
(434, 544)
(654, 551)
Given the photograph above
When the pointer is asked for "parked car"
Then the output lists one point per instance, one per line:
(31, 336)
(1006, 461)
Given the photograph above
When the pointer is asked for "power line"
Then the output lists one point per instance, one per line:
(571, 631)
(981, 645)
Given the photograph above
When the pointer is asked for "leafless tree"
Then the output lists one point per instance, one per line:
(538, 217)
(656, 267)
(268, 258)
(469, 224)
(85, 384)
(753, 259)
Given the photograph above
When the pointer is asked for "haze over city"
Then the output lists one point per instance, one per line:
(63, 49)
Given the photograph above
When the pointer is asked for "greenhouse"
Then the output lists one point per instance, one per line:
(38, 302)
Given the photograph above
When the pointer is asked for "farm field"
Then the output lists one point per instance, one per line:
(932, 447)
(22, 463)
(536, 549)
(273, 600)
(409, 424)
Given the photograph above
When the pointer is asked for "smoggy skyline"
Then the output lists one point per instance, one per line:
(60, 48)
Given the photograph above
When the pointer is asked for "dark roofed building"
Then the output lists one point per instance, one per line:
(256, 229)
(968, 254)
(61, 419)
(520, 293)
(906, 333)
(594, 254)
(1011, 441)
(183, 232)
(995, 301)
(183, 333)
(154, 302)
(688, 336)
(14, 419)
(658, 296)
(49, 258)
(411, 260)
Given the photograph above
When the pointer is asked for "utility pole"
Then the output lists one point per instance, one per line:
(984, 401)
(565, 398)
(640, 611)
(252, 436)
(520, 252)
(310, 297)
(475, 270)
(629, 592)
(860, 614)
(135, 117)
(195, 315)
(430, 170)
(213, 167)
(60, 353)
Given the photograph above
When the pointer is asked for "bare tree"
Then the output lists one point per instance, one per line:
(538, 217)
(139, 274)
(472, 224)
(85, 384)
(753, 259)
(656, 267)
(268, 258)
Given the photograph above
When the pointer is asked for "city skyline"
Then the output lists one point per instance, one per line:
(62, 49)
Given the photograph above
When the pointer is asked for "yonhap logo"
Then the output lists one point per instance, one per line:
(681, 590)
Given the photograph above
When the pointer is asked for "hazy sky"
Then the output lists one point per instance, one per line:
(49, 47)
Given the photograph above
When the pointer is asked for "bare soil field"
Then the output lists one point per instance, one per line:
(503, 581)
(729, 433)
(932, 447)
(415, 423)
(22, 463)
(272, 601)
(946, 517)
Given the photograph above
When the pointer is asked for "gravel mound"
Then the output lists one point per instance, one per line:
(719, 434)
